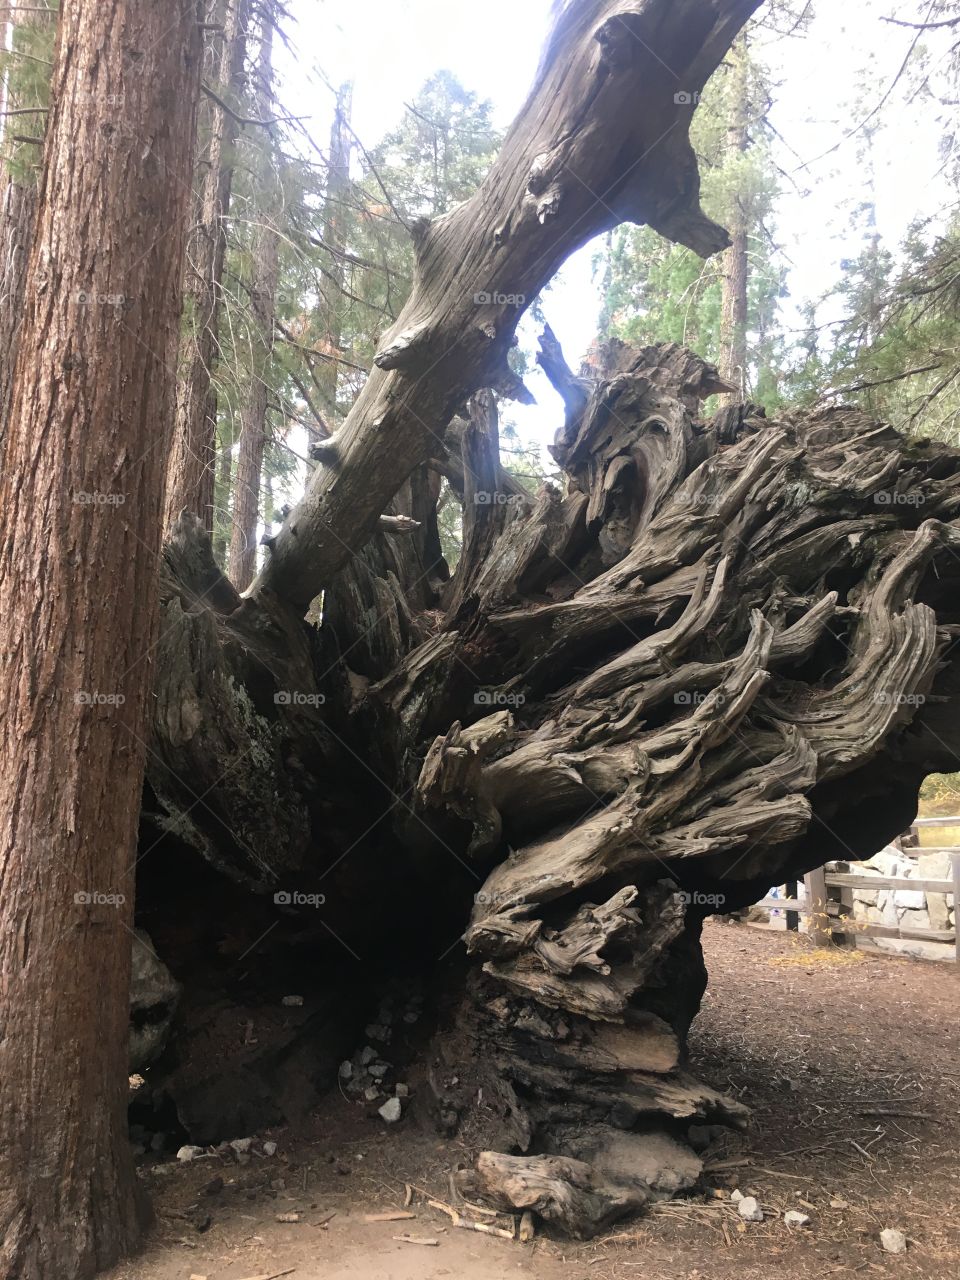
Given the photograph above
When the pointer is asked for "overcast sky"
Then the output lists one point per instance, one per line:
(389, 47)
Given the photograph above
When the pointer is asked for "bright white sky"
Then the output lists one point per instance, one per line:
(389, 47)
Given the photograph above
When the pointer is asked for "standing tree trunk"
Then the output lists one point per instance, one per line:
(190, 475)
(81, 497)
(733, 320)
(334, 236)
(253, 419)
(18, 206)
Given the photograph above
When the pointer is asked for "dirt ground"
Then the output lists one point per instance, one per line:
(849, 1062)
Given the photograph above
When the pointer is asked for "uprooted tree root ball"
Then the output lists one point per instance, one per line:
(721, 656)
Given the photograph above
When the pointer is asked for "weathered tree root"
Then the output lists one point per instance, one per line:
(723, 656)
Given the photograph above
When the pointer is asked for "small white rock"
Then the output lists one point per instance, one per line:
(292, 1002)
(736, 1196)
(371, 1094)
(794, 1218)
(749, 1209)
(402, 1091)
(241, 1145)
(839, 1204)
(391, 1110)
(893, 1241)
(269, 1148)
(186, 1154)
(346, 1069)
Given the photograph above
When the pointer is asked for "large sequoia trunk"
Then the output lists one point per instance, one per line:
(719, 655)
(81, 490)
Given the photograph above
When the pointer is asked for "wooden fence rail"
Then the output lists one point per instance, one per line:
(830, 918)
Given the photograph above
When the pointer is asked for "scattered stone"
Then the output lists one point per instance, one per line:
(391, 1110)
(411, 1017)
(241, 1145)
(269, 1148)
(736, 1196)
(749, 1209)
(346, 1070)
(292, 1002)
(402, 1091)
(188, 1153)
(378, 1070)
(839, 1204)
(368, 1054)
(893, 1241)
(371, 1094)
(794, 1218)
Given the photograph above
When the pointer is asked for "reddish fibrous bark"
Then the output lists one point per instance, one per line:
(80, 500)
(191, 469)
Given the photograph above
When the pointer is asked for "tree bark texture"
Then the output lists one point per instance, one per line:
(80, 496)
(18, 209)
(734, 302)
(192, 466)
(253, 417)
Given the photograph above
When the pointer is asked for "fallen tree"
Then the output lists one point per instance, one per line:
(721, 654)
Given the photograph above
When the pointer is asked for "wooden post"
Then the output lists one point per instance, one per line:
(793, 917)
(956, 904)
(816, 886)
